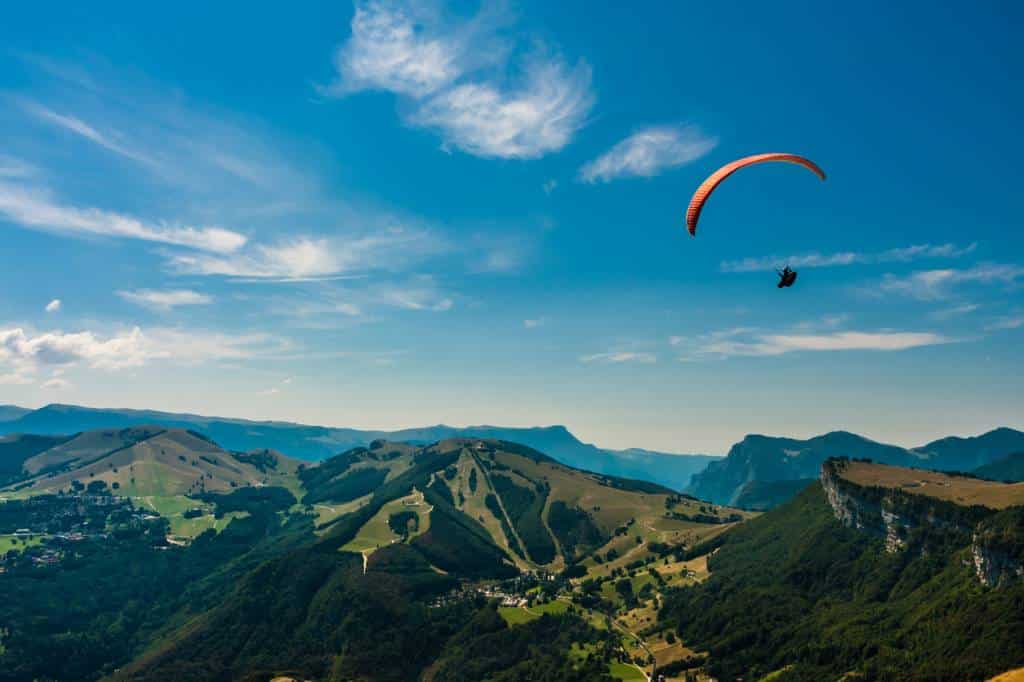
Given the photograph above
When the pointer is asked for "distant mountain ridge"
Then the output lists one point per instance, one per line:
(1009, 468)
(9, 412)
(771, 459)
(316, 443)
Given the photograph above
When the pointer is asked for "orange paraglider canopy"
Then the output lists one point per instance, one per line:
(715, 179)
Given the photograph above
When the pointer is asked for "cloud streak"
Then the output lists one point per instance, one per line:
(619, 357)
(747, 342)
(932, 285)
(83, 129)
(649, 152)
(818, 260)
(34, 209)
(309, 258)
(165, 299)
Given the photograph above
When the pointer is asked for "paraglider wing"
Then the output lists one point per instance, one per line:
(716, 178)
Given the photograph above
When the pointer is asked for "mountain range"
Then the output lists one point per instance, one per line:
(777, 465)
(152, 552)
(166, 556)
(759, 472)
(314, 443)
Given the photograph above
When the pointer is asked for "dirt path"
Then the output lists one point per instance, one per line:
(643, 645)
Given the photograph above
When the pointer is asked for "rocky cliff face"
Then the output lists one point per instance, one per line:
(997, 548)
(874, 514)
(919, 523)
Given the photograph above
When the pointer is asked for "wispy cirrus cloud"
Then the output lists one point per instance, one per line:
(79, 127)
(620, 357)
(459, 79)
(337, 304)
(819, 260)
(34, 208)
(309, 258)
(1006, 322)
(165, 299)
(649, 152)
(751, 342)
(931, 285)
(954, 311)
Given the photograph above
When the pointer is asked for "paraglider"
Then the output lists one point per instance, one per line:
(787, 277)
(716, 178)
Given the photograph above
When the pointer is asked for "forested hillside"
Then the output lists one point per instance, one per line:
(798, 594)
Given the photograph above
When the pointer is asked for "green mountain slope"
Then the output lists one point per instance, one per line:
(16, 449)
(532, 510)
(798, 593)
(327, 578)
(148, 461)
(763, 495)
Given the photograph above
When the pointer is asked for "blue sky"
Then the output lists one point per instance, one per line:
(396, 214)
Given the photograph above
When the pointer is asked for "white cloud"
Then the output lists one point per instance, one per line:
(34, 209)
(525, 122)
(27, 352)
(165, 299)
(309, 258)
(56, 384)
(750, 343)
(532, 324)
(818, 260)
(620, 357)
(456, 78)
(58, 348)
(53, 306)
(930, 285)
(649, 152)
(402, 48)
(550, 186)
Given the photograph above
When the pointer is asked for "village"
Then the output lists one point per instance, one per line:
(40, 531)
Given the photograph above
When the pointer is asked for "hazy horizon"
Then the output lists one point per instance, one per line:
(497, 423)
